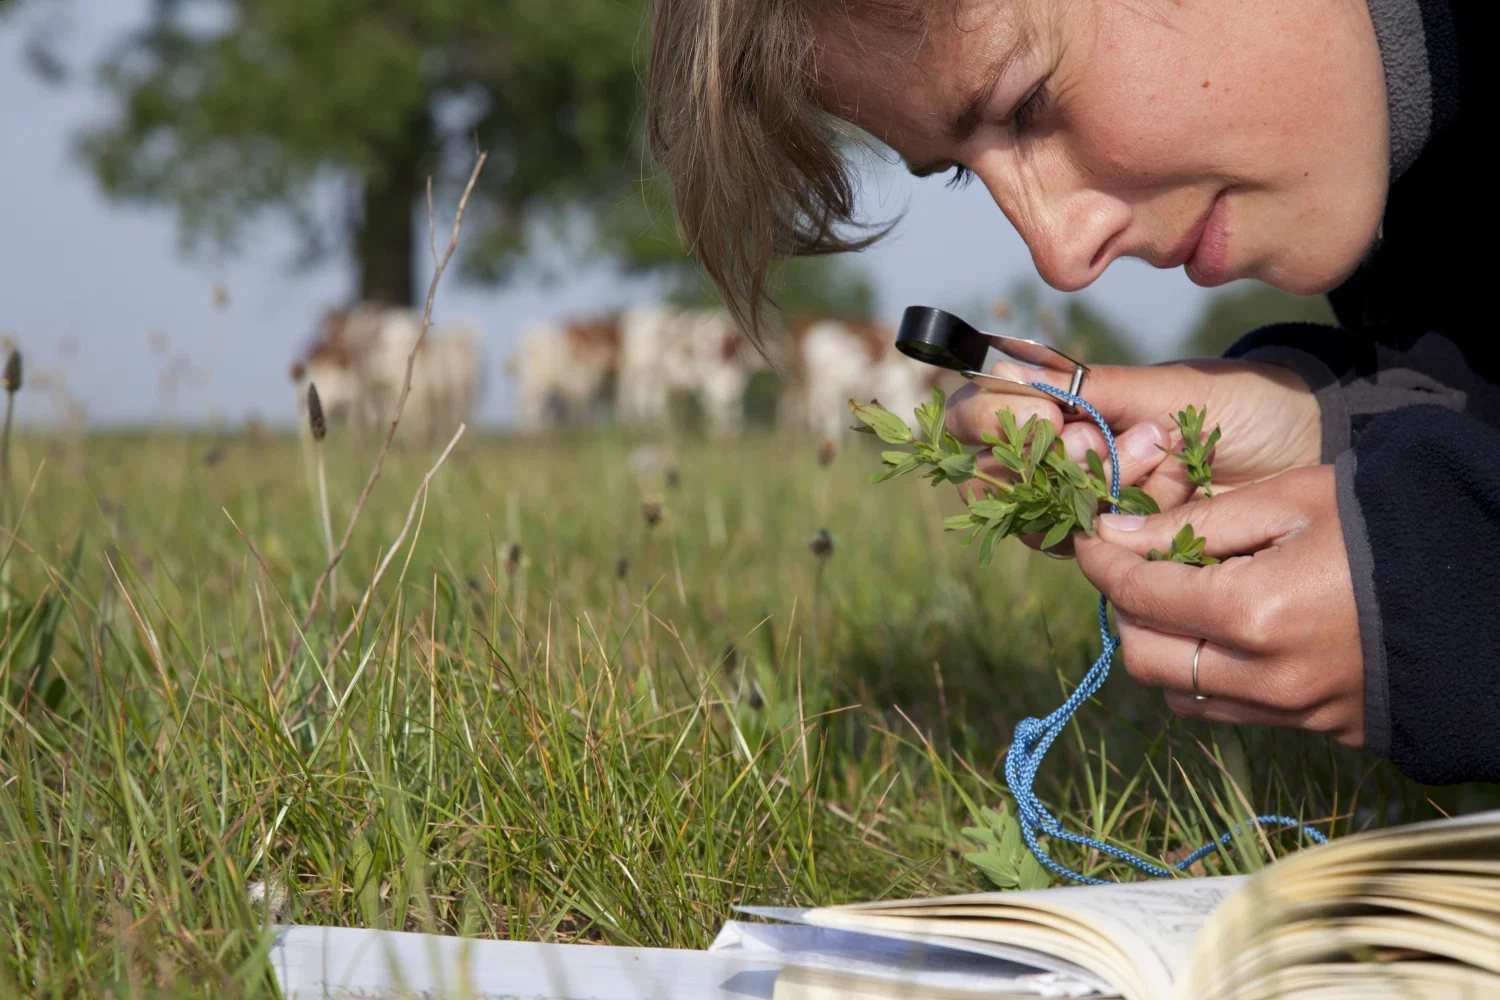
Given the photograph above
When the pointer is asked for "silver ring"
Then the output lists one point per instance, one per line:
(1197, 653)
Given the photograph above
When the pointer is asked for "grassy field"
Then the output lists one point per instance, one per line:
(555, 721)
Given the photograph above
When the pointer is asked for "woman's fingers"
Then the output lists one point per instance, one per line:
(973, 412)
(1237, 523)
(1164, 660)
(1233, 712)
(1210, 601)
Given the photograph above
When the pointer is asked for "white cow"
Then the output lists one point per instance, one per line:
(358, 363)
(665, 350)
(836, 360)
(562, 370)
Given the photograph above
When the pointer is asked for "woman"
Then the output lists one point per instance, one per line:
(1319, 146)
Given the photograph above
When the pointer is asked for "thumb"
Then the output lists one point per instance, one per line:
(1232, 524)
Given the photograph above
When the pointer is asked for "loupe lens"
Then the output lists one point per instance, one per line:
(932, 354)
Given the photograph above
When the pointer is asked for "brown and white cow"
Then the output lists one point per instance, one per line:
(358, 362)
(836, 360)
(564, 370)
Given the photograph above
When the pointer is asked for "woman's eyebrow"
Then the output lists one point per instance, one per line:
(961, 126)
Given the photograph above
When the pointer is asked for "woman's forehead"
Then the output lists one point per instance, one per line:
(902, 85)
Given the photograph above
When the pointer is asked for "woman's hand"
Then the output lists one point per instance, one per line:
(1279, 615)
(1270, 419)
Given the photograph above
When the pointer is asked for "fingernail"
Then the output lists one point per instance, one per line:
(1123, 522)
(1141, 441)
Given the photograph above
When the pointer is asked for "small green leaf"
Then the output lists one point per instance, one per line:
(1013, 434)
(1041, 440)
(1085, 511)
(882, 422)
(1031, 875)
(1059, 531)
(990, 508)
(1096, 465)
(987, 546)
(958, 468)
(1134, 500)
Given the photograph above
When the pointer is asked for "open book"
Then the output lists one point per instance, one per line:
(1409, 911)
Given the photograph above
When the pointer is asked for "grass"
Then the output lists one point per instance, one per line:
(555, 722)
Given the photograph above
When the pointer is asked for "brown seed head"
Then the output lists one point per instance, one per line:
(821, 544)
(828, 450)
(13, 372)
(622, 568)
(651, 509)
(315, 418)
(512, 558)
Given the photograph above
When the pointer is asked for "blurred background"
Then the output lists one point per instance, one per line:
(192, 185)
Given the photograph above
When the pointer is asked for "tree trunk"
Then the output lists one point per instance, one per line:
(385, 234)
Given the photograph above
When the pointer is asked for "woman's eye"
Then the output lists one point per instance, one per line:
(1028, 109)
(960, 177)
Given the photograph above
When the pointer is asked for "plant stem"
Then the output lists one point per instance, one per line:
(817, 614)
(333, 574)
(10, 409)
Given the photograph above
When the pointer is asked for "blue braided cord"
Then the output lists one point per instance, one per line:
(1035, 736)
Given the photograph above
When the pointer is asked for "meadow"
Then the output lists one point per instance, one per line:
(606, 689)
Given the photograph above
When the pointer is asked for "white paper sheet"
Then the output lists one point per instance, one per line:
(336, 963)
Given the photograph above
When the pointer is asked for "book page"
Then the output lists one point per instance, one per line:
(339, 963)
(1137, 936)
(1006, 951)
(912, 965)
(1442, 870)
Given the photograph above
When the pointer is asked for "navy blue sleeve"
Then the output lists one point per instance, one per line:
(1426, 483)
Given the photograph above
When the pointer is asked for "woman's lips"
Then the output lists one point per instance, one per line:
(1188, 245)
(1209, 263)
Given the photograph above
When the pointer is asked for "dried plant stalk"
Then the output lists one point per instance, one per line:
(295, 641)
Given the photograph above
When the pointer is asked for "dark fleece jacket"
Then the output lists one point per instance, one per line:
(1411, 408)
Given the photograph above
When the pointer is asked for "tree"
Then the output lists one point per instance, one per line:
(642, 232)
(1234, 312)
(229, 108)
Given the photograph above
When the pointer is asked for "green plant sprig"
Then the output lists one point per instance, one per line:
(1051, 495)
(1196, 448)
(1186, 548)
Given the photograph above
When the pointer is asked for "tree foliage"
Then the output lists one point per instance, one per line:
(228, 108)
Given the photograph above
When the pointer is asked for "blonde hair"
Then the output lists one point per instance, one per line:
(756, 166)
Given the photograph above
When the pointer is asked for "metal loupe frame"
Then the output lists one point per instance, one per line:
(939, 338)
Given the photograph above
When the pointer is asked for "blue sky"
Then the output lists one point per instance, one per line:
(84, 283)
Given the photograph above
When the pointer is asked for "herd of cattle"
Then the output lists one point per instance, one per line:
(626, 366)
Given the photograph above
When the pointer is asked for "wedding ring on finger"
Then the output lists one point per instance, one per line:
(1197, 653)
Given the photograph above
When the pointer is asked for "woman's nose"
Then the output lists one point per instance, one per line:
(1069, 231)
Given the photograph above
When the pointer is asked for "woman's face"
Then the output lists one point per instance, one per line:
(1240, 138)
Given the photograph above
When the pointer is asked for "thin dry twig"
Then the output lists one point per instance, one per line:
(294, 642)
(394, 547)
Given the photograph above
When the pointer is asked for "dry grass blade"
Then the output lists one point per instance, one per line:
(392, 549)
(385, 445)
